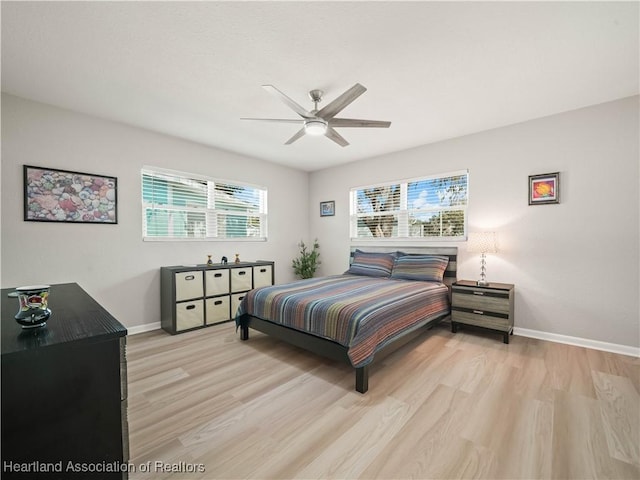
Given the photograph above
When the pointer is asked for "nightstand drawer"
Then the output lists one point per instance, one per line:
(479, 300)
(481, 320)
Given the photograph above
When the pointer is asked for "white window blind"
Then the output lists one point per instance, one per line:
(178, 205)
(428, 207)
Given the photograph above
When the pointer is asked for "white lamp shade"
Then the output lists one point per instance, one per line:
(482, 242)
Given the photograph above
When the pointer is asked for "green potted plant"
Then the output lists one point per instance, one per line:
(307, 262)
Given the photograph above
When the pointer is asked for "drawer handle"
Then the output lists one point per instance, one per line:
(218, 302)
(217, 275)
(240, 298)
(478, 312)
(478, 293)
(242, 273)
(262, 270)
(190, 307)
(190, 277)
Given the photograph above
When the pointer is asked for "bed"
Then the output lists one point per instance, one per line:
(386, 298)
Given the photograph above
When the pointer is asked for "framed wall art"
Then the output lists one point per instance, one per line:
(544, 189)
(52, 195)
(327, 209)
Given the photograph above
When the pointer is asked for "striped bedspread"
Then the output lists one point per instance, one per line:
(359, 312)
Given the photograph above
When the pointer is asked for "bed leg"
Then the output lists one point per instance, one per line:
(244, 332)
(362, 379)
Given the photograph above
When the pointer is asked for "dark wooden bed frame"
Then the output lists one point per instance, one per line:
(334, 350)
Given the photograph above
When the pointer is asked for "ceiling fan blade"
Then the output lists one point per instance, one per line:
(336, 137)
(291, 103)
(337, 105)
(299, 133)
(354, 122)
(282, 120)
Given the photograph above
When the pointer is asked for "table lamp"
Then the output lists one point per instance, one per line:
(483, 243)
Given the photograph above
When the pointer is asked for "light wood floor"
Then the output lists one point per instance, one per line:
(445, 406)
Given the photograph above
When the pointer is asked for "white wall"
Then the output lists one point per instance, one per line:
(112, 262)
(575, 265)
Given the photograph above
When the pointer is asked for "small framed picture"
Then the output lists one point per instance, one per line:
(544, 189)
(327, 209)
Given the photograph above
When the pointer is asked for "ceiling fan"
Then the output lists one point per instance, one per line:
(323, 121)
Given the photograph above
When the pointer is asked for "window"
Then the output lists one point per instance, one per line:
(178, 205)
(429, 207)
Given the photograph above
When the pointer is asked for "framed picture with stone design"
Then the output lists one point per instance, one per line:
(53, 195)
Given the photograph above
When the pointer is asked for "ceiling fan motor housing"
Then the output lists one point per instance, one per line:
(316, 95)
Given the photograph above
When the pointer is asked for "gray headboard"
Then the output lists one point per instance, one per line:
(450, 274)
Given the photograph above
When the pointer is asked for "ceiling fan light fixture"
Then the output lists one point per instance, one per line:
(322, 122)
(315, 126)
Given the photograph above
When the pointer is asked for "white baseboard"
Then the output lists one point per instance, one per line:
(579, 342)
(147, 327)
(523, 332)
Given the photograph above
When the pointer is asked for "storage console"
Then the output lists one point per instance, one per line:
(195, 296)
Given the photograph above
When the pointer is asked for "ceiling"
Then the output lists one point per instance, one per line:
(436, 70)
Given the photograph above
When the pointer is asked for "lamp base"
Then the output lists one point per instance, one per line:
(482, 283)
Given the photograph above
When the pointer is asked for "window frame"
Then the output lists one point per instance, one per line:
(403, 212)
(209, 211)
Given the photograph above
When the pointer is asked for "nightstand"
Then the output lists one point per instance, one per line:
(489, 306)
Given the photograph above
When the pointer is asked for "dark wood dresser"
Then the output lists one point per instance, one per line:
(64, 391)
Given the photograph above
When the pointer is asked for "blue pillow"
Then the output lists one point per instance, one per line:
(425, 268)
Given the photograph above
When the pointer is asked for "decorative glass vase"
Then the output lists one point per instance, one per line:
(33, 306)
